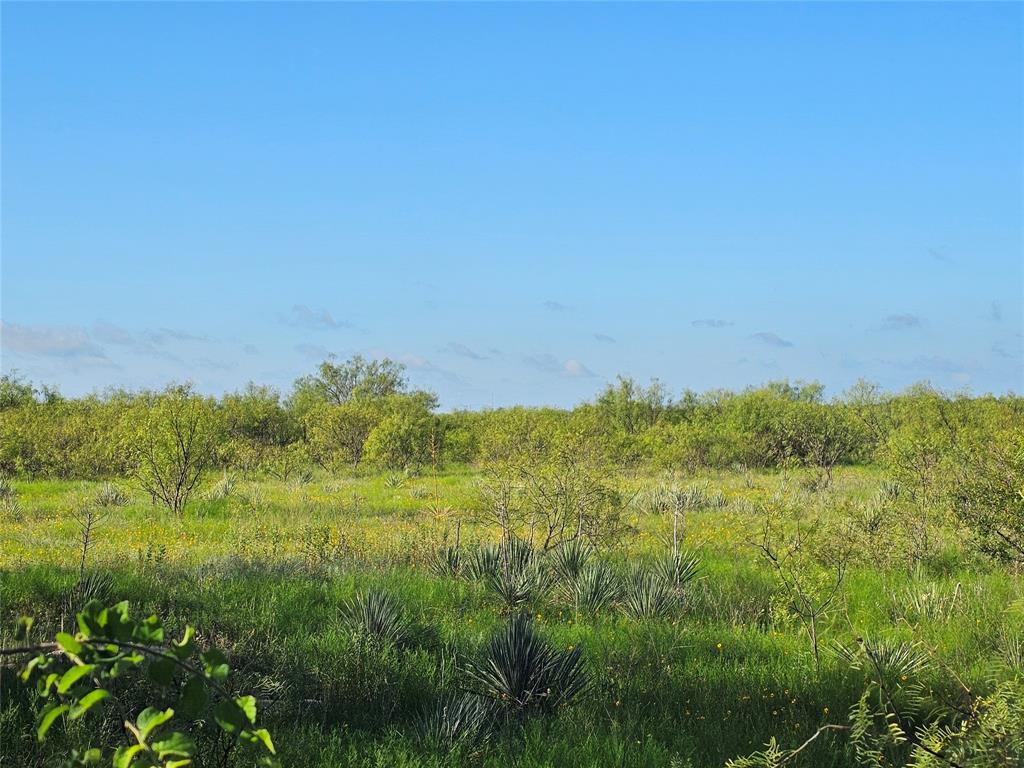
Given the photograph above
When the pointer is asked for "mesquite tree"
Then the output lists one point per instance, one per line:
(177, 443)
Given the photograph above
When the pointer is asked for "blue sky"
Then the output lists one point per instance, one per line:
(517, 201)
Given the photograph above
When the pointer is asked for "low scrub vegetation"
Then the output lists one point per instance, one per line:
(763, 578)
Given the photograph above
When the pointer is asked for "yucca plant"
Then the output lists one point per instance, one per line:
(519, 576)
(446, 561)
(884, 659)
(109, 495)
(679, 569)
(523, 675)
(596, 588)
(569, 559)
(93, 585)
(483, 562)
(376, 614)
(454, 721)
(6, 487)
(222, 489)
(10, 508)
(888, 492)
(1011, 652)
(647, 595)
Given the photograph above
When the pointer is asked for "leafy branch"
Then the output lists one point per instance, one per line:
(75, 673)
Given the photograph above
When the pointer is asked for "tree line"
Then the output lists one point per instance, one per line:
(362, 413)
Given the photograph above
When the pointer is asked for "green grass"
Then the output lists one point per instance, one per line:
(265, 574)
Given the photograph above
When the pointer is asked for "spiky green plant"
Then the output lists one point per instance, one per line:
(678, 570)
(596, 588)
(524, 675)
(93, 585)
(454, 721)
(518, 577)
(376, 614)
(10, 509)
(7, 490)
(446, 561)
(482, 562)
(569, 559)
(647, 594)
(222, 489)
(109, 495)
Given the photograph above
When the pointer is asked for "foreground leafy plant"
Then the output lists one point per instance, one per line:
(897, 723)
(76, 673)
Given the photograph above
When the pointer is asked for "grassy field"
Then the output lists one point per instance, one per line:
(265, 570)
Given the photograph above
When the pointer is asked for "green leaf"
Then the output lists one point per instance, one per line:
(162, 671)
(263, 736)
(23, 627)
(86, 703)
(68, 644)
(151, 718)
(149, 630)
(72, 676)
(36, 661)
(119, 625)
(175, 745)
(215, 664)
(50, 714)
(230, 717)
(124, 755)
(43, 685)
(194, 697)
(248, 705)
(125, 663)
(183, 648)
(92, 618)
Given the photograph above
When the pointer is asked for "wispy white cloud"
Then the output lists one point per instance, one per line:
(423, 365)
(901, 322)
(147, 343)
(771, 339)
(301, 316)
(548, 363)
(711, 322)
(462, 350)
(555, 306)
(69, 344)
